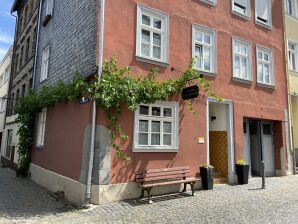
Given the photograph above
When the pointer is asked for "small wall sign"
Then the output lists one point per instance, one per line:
(190, 92)
(201, 140)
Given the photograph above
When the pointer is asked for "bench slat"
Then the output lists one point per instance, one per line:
(189, 180)
(165, 177)
(162, 170)
(162, 173)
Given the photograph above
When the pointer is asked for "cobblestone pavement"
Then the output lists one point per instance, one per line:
(22, 201)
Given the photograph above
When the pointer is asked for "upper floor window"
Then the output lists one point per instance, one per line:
(241, 59)
(211, 2)
(291, 7)
(45, 64)
(156, 127)
(263, 12)
(49, 7)
(152, 35)
(6, 74)
(204, 49)
(265, 69)
(241, 7)
(292, 54)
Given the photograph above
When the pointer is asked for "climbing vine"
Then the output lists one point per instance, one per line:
(117, 87)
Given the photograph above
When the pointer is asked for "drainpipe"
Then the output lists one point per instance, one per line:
(93, 129)
(37, 44)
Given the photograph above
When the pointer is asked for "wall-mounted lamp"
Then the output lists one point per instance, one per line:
(213, 117)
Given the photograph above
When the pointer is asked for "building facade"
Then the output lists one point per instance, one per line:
(239, 46)
(291, 41)
(5, 66)
(21, 70)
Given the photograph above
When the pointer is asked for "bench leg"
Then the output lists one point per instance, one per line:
(192, 189)
(184, 188)
(142, 193)
(149, 196)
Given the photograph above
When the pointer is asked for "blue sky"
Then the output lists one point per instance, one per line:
(7, 27)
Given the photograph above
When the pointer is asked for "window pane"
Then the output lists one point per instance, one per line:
(207, 39)
(157, 52)
(266, 73)
(167, 127)
(146, 36)
(198, 36)
(157, 23)
(156, 111)
(266, 57)
(198, 54)
(236, 48)
(145, 49)
(293, 62)
(243, 50)
(155, 139)
(207, 58)
(156, 39)
(237, 71)
(146, 20)
(167, 139)
(167, 112)
(155, 126)
(260, 70)
(144, 110)
(143, 126)
(143, 139)
(237, 60)
(260, 55)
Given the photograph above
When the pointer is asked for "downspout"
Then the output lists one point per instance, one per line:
(37, 44)
(93, 129)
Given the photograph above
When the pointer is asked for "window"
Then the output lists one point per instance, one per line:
(6, 75)
(49, 7)
(41, 128)
(211, 2)
(17, 63)
(23, 90)
(152, 35)
(292, 51)
(8, 144)
(265, 70)
(290, 7)
(241, 7)
(21, 58)
(1, 79)
(156, 127)
(45, 64)
(27, 49)
(204, 49)
(241, 59)
(3, 104)
(263, 12)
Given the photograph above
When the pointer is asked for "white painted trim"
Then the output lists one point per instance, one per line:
(210, 2)
(272, 74)
(244, 16)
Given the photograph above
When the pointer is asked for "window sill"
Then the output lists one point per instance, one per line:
(152, 61)
(266, 85)
(292, 17)
(269, 27)
(150, 150)
(39, 147)
(209, 2)
(246, 81)
(293, 71)
(245, 17)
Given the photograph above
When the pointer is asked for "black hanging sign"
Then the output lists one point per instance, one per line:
(190, 92)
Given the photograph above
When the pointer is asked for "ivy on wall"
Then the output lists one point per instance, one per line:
(116, 87)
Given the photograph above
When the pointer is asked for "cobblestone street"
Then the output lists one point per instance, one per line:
(22, 201)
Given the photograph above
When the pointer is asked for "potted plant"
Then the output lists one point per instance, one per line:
(207, 172)
(242, 171)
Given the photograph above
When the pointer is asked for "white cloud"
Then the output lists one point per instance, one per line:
(5, 39)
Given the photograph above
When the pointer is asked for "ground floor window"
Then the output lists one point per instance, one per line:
(41, 128)
(156, 127)
(8, 147)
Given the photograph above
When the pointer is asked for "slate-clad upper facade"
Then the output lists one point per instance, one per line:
(70, 37)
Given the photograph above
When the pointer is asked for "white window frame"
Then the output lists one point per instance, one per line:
(164, 32)
(293, 52)
(248, 57)
(212, 46)
(49, 7)
(294, 8)
(175, 128)
(243, 15)
(260, 22)
(3, 104)
(45, 61)
(271, 65)
(210, 2)
(42, 118)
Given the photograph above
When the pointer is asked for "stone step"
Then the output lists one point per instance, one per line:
(221, 180)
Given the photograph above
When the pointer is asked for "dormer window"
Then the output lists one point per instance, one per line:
(48, 11)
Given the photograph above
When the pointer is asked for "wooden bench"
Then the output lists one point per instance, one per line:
(161, 177)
